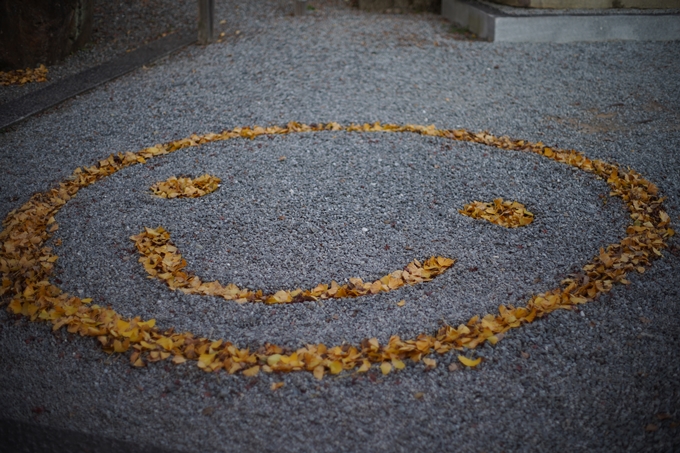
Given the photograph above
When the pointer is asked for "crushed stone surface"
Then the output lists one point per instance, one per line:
(593, 379)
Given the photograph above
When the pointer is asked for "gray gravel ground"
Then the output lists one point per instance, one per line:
(589, 380)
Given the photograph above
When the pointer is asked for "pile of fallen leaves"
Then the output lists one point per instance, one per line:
(26, 263)
(22, 76)
(162, 260)
(174, 187)
(508, 214)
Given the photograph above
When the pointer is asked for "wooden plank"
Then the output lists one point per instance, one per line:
(206, 21)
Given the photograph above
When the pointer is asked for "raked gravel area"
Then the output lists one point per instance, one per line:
(605, 377)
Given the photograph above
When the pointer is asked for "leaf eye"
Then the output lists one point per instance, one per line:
(185, 187)
(508, 214)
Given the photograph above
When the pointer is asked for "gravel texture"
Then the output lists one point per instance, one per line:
(336, 224)
(595, 379)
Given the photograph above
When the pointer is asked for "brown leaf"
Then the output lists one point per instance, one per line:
(430, 363)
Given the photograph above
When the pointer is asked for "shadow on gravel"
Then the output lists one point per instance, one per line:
(19, 437)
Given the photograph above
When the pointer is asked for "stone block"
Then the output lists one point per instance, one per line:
(592, 4)
(42, 31)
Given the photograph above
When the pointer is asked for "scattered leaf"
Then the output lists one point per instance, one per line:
(430, 363)
(469, 362)
(319, 372)
(23, 76)
(252, 371)
(365, 366)
(335, 367)
(398, 364)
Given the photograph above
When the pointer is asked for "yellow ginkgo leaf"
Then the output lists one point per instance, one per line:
(398, 364)
(365, 366)
(469, 362)
(335, 367)
(178, 359)
(273, 359)
(252, 371)
(165, 343)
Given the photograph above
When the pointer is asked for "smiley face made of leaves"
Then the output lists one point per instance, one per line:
(162, 259)
(27, 263)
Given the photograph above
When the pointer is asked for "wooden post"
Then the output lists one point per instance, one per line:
(300, 7)
(206, 21)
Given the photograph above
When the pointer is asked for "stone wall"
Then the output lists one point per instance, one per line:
(42, 31)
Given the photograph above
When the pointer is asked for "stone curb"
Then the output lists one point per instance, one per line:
(20, 437)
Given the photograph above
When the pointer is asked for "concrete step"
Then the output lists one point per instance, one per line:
(510, 24)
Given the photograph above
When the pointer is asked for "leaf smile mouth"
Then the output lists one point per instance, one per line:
(162, 260)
